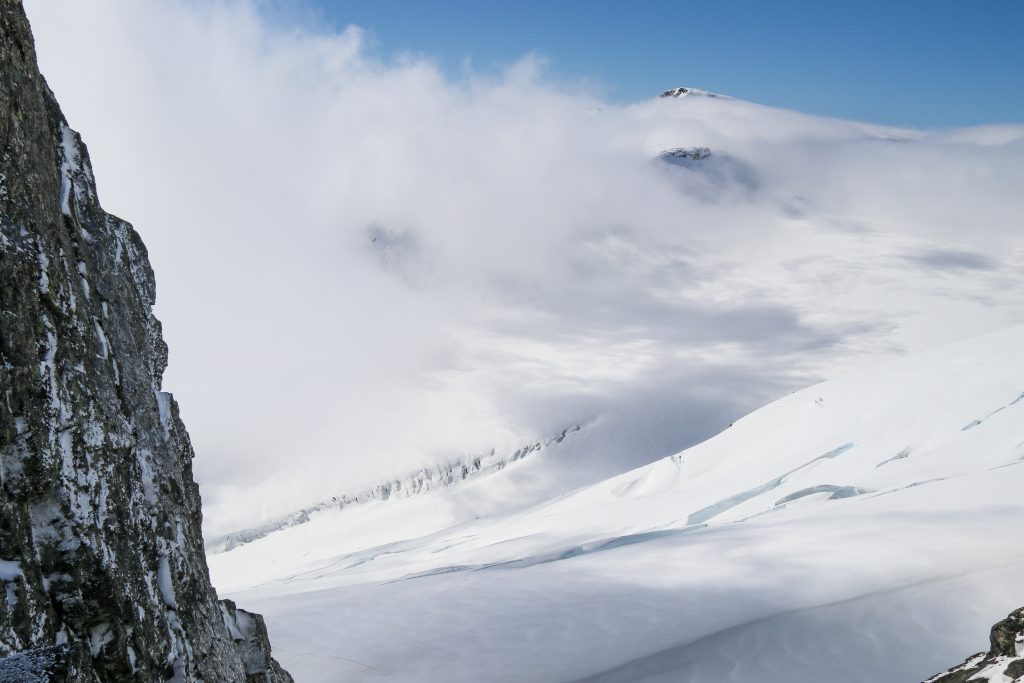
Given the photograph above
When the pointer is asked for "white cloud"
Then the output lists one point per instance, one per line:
(364, 265)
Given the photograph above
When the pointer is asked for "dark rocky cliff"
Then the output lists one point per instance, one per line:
(102, 572)
(1004, 660)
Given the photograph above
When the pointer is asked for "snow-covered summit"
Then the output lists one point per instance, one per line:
(686, 92)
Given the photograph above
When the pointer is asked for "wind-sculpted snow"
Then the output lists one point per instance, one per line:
(778, 551)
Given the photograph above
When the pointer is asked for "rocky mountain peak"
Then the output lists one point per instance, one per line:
(687, 92)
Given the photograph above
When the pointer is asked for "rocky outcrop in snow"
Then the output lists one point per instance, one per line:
(1003, 663)
(691, 153)
(102, 569)
(711, 177)
(686, 92)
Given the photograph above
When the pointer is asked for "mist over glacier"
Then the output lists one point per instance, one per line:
(365, 265)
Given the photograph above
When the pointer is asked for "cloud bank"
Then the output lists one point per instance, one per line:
(364, 266)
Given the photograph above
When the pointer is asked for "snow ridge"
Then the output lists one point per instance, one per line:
(416, 483)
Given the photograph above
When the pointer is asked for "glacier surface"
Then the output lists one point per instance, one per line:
(790, 547)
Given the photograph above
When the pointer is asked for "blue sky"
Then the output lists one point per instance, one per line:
(912, 62)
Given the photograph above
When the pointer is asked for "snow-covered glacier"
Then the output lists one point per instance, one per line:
(455, 352)
(865, 528)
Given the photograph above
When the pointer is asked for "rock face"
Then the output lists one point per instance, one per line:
(1003, 663)
(102, 572)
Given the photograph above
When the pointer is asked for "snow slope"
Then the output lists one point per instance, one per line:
(861, 529)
